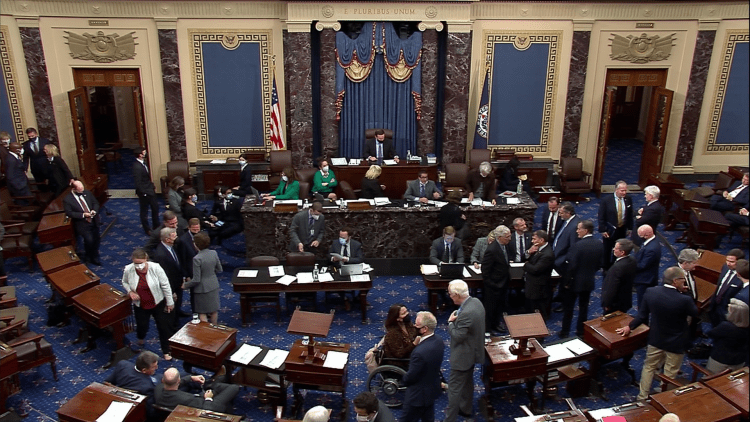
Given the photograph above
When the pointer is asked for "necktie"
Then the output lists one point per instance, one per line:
(35, 147)
(380, 150)
(145, 166)
(343, 250)
(551, 225)
(724, 285)
(505, 253)
(447, 252)
(84, 207)
(421, 190)
(174, 256)
(559, 233)
(619, 212)
(691, 285)
(519, 247)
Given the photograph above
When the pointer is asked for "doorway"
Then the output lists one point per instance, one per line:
(632, 126)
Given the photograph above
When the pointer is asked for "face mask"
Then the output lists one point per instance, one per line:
(449, 239)
(342, 240)
(6, 143)
(140, 267)
(284, 178)
(361, 418)
(242, 162)
(230, 196)
(315, 216)
(194, 198)
(325, 169)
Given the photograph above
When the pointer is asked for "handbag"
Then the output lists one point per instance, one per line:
(374, 356)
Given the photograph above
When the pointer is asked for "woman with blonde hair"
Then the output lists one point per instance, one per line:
(57, 172)
(371, 187)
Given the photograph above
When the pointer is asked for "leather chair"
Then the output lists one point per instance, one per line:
(455, 178)
(112, 153)
(477, 157)
(174, 169)
(346, 190)
(6, 218)
(370, 133)
(8, 297)
(31, 348)
(264, 300)
(722, 182)
(18, 244)
(31, 212)
(668, 383)
(300, 259)
(573, 180)
(12, 315)
(278, 160)
(305, 178)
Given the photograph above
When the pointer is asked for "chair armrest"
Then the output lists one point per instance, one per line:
(7, 223)
(698, 369)
(18, 224)
(16, 327)
(10, 302)
(35, 338)
(667, 381)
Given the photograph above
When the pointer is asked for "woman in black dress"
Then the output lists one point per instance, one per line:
(371, 187)
(189, 210)
(57, 172)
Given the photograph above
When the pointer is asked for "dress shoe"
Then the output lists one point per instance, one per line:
(96, 262)
(557, 308)
(563, 334)
(465, 415)
(89, 347)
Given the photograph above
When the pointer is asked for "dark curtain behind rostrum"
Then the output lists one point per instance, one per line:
(379, 85)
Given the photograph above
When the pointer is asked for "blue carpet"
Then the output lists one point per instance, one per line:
(41, 395)
(120, 173)
(623, 161)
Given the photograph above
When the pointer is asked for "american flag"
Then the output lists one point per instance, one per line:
(277, 134)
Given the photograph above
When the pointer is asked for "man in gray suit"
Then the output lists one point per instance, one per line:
(422, 189)
(466, 328)
(307, 229)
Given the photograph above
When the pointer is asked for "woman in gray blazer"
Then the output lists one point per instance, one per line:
(174, 199)
(204, 283)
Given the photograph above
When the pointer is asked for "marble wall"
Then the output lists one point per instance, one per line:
(576, 85)
(170, 69)
(458, 68)
(298, 85)
(426, 126)
(37, 68)
(704, 45)
(329, 126)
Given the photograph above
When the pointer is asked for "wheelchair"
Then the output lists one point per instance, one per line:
(386, 381)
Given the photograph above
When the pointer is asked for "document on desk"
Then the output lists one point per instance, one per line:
(558, 352)
(429, 269)
(338, 161)
(219, 161)
(555, 273)
(245, 354)
(247, 273)
(390, 162)
(323, 277)
(516, 264)
(303, 278)
(466, 273)
(512, 201)
(381, 200)
(274, 358)
(360, 277)
(116, 412)
(475, 269)
(578, 347)
(276, 270)
(286, 280)
(366, 268)
(336, 360)
(297, 202)
(439, 204)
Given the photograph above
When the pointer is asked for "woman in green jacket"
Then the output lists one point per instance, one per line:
(288, 187)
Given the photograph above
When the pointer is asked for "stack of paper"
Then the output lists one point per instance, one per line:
(382, 200)
(558, 352)
(429, 269)
(274, 358)
(336, 360)
(304, 278)
(245, 354)
(247, 273)
(286, 280)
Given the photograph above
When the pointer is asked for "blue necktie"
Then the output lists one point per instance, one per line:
(421, 190)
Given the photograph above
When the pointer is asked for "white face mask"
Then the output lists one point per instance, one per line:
(284, 178)
(140, 266)
(243, 162)
(342, 240)
(194, 198)
(229, 196)
(315, 216)
(361, 418)
(325, 169)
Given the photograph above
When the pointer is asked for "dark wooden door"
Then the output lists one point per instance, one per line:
(656, 133)
(604, 129)
(83, 130)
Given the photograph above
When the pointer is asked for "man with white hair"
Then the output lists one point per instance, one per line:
(650, 214)
(480, 183)
(82, 208)
(496, 278)
(218, 398)
(317, 414)
(647, 262)
(423, 379)
(466, 328)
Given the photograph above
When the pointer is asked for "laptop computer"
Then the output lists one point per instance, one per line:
(351, 269)
(451, 271)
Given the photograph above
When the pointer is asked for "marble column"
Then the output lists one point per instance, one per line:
(704, 46)
(170, 70)
(37, 68)
(576, 85)
(456, 97)
(426, 126)
(298, 86)
(329, 126)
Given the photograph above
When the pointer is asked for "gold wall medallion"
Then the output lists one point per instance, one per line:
(641, 49)
(101, 48)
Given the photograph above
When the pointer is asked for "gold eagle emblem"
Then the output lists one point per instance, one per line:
(101, 48)
(641, 49)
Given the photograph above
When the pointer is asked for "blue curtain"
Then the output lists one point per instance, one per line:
(384, 96)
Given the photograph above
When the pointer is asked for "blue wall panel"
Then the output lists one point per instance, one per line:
(234, 95)
(6, 118)
(517, 94)
(734, 126)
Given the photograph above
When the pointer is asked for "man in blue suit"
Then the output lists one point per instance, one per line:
(34, 156)
(139, 377)
(727, 287)
(423, 379)
(665, 310)
(743, 273)
(565, 238)
(584, 260)
(615, 219)
(15, 174)
(647, 262)
(346, 250)
(732, 198)
(551, 221)
(447, 248)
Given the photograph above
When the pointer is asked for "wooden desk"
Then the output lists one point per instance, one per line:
(257, 376)
(565, 416)
(733, 388)
(393, 177)
(55, 229)
(102, 307)
(685, 200)
(709, 265)
(667, 184)
(705, 290)
(314, 376)
(738, 172)
(8, 369)
(632, 412)
(93, 401)
(589, 357)
(695, 403)
(57, 259)
(264, 283)
(502, 366)
(71, 281)
(208, 176)
(705, 227)
(600, 334)
(203, 345)
(56, 206)
(190, 414)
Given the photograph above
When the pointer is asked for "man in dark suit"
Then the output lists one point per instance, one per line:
(647, 262)
(34, 156)
(307, 229)
(727, 287)
(227, 209)
(169, 219)
(15, 175)
(615, 219)
(651, 214)
(617, 287)
(743, 273)
(422, 189)
(368, 407)
(495, 279)
(379, 149)
(139, 377)
(584, 260)
(218, 398)
(165, 254)
(665, 310)
(83, 208)
(422, 381)
(466, 328)
(520, 241)
(551, 221)
(736, 196)
(186, 251)
(145, 190)
(347, 251)
(565, 238)
(246, 179)
(447, 248)
(538, 274)
(739, 218)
